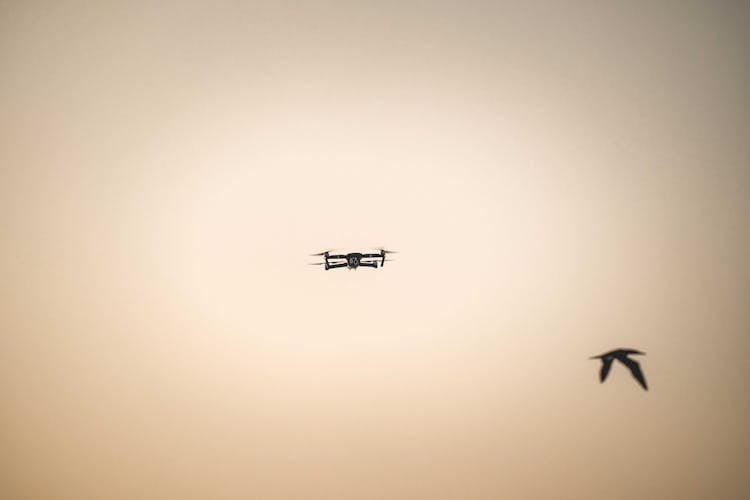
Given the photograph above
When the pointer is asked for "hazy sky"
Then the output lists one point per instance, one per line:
(560, 178)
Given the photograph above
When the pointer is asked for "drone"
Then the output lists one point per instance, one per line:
(352, 260)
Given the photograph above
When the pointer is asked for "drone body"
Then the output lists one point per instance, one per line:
(352, 260)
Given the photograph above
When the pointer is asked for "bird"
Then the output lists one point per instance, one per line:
(621, 355)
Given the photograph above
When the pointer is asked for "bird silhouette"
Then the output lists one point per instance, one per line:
(621, 355)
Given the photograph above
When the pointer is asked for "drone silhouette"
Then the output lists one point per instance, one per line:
(352, 260)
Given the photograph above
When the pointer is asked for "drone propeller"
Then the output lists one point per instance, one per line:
(322, 253)
(383, 252)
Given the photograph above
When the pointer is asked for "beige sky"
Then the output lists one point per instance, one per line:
(559, 180)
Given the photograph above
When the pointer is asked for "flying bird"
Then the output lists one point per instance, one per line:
(621, 355)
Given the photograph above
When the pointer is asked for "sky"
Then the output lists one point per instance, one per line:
(559, 179)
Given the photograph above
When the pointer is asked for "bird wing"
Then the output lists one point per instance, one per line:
(628, 351)
(635, 369)
(606, 365)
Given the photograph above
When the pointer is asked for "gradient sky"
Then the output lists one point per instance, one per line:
(559, 178)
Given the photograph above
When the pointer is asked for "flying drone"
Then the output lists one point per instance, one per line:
(352, 260)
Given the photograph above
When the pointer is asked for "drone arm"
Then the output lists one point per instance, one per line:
(334, 266)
